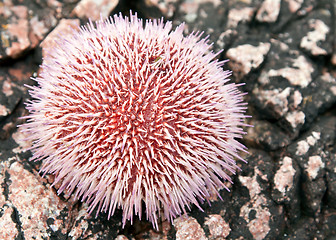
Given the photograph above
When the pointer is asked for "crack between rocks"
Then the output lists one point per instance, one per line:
(72, 223)
(5, 185)
(16, 219)
(15, 215)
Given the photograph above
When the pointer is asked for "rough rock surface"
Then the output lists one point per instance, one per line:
(285, 53)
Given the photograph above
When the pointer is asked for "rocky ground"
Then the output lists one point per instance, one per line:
(285, 52)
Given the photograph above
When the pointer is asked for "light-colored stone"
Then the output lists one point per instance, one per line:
(284, 177)
(313, 38)
(187, 228)
(295, 118)
(236, 16)
(34, 202)
(314, 165)
(246, 57)
(95, 9)
(269, 11)
(294, 5)
(298, 75)
(66, 27)
(259, 226)
(218, 228)
(7, 226)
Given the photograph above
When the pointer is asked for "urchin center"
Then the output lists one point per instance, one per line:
(122, 110)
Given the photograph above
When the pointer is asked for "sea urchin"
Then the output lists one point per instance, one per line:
(128, 115)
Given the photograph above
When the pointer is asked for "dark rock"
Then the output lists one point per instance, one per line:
(266, 136)
(304, 229)
(311, 152)
(12, 92)
(290, 92)
(331, 180)
(157, 9)
(257, 215)
(313, 33)
(202, 16)
(328, 225)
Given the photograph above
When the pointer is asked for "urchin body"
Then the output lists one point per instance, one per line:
(126, 114)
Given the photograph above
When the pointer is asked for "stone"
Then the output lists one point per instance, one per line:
(188, 228)
(66, 27)
(269, 11)
(312, 153)
(246, 58)
(94, 10)
(26, 24)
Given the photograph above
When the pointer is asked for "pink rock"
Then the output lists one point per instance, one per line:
(15, 33)
(269, 11)
(167, 7)
(312, 40)
(294, 5)
(35, 203)
(245, 58)
(188, 228)
(236, 16)
(64, 28)
(7, 226)
(218, 228)
(95, 9)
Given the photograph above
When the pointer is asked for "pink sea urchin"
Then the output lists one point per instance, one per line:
(126, 114)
